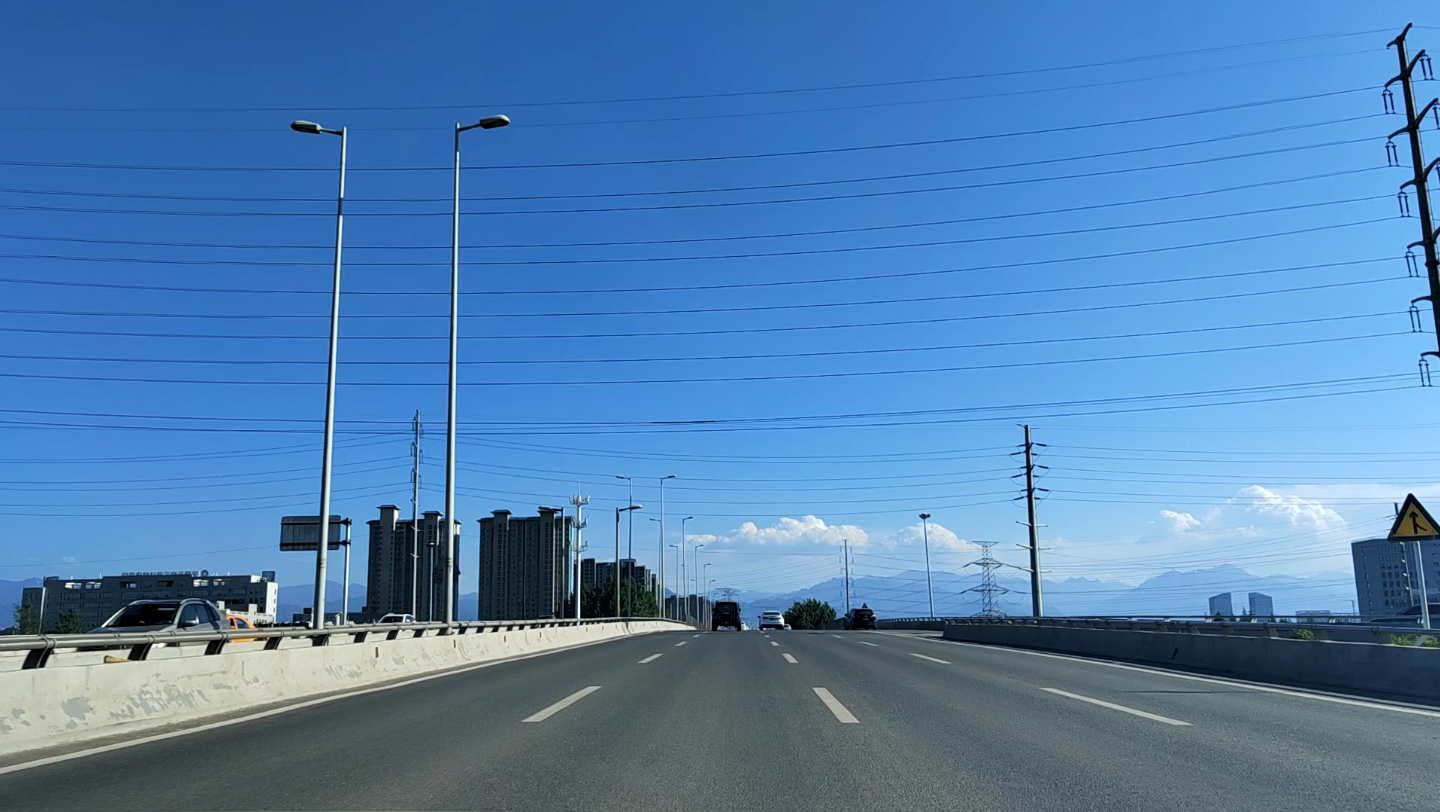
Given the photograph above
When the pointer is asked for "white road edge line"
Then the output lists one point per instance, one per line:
(652, 658)
(692, 637)
(790, 659)
(1112, 706)
(1269, 689)
(106, 748)
(931, 659)
(562, 704)
(863, 643)
(845, 716)
(677, 645)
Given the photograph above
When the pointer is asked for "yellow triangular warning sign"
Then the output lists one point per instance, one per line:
(1414, 522)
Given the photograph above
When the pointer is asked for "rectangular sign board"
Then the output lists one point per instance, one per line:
(302, 533)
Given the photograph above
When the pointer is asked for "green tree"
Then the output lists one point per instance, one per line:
(636, 600)
(70, 622)
(809, 614)
(27, 618)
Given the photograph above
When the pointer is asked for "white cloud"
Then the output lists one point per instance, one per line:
(941, 538)
(70, 559)
(790, 532)
(1179, 522)
(1295, 509)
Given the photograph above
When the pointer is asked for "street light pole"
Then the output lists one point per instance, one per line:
(705, 577)
(317, 615)
(451, 544)
(618, 511)
(684, 614)
(345, 592)
(929, 586)
(676, 614)
(660, 552)
(697, 580)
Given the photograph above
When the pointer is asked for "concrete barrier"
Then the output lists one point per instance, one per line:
(54, 706)
(1403, 672)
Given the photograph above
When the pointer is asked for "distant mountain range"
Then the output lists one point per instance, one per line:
(904, 595)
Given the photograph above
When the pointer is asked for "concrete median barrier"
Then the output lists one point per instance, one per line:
(45, 707)
(1400, 672)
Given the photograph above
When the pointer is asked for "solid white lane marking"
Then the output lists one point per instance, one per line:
(789, 659)
(862, 642)
(772, 642)
(845, 716)
(931, 659)
(1112, 706)
(677, 645)
(1253, 686)
(107, 748)
(562, 704)
(652, 658)
(692, 637)
(836, 636)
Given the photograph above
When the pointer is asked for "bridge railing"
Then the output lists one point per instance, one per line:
(1347, 630)
(39, 649)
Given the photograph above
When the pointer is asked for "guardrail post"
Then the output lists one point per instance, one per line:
(320, 640)
(140, 651)
(38, 657)
(273, 643)
(215, 646)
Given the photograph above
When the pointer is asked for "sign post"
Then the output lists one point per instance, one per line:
(1415, 524)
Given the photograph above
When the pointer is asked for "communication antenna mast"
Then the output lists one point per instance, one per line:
(988, 588)
(579, 501)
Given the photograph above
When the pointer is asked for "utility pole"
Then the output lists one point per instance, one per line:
(579, 501)
(1037, 604)
(845, 543)
(415, 521)
(1422, 193)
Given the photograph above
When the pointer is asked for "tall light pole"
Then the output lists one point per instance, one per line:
(680, 571)
(697, 579)
(660, 552)
(317, 616)
(929, 586)
(705, 577)
(676, 548)
(579, 501)
(618, 511)
(451, 544)
(630, 535)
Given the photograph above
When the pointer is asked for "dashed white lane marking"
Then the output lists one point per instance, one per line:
(681, 643)
(692, 637)
(931, 659)
(845, 716)
(562, 704)
(1112, 706)
(790, 659)
(1253, 686)
(872, 645)
(773, 643)
(652, 658)
(836, 636)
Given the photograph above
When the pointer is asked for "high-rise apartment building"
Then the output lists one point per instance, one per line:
(1222, 605)
(587, 573)
(1387, 579)
(524, 565)
(1262, 606)
(399, 550)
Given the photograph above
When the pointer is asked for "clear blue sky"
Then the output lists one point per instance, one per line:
(606, 300)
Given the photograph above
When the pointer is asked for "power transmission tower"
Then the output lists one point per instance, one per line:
(1422, 193)
(989, 590)
(1037, 605)
(415, 521)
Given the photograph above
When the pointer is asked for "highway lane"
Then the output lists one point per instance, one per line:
(856, 721)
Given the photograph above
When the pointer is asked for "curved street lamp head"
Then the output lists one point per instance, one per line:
(622, 510)
(687, 518)
(672, 476)
(492, 122)
(306, 127)
(924, 516)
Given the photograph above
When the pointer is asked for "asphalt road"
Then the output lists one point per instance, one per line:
(784, 721)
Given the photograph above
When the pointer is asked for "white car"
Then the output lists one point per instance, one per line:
(772, 620)
(394, 617)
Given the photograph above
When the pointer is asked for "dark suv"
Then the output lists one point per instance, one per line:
(862, 618)
(725, 613)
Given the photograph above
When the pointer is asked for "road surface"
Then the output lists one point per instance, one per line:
(786, 721)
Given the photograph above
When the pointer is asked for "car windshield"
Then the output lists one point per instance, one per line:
(145, 614)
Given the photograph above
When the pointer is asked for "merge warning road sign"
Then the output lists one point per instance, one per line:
(1414, 523)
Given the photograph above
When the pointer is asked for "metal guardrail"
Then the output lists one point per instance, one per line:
(40, 647)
